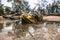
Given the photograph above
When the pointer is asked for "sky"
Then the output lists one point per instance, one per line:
(6, 3)
(32, 3)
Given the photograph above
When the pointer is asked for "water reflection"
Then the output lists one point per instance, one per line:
(7, 28)
(8, 24)
(31, 31)
(24, 29)
(1, 26)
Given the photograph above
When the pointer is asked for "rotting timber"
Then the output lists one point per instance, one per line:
(27, 18)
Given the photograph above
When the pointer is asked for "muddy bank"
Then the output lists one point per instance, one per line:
(51, 18)
(47, 18)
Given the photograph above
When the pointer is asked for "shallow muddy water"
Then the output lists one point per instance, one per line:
(39, 31)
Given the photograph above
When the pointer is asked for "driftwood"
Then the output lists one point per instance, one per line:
(27, 18)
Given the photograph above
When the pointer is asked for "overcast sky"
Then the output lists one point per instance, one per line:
(32, 3)
(6, 3)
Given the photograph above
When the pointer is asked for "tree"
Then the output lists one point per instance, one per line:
(12, 12)
(54, 7)
(19, 5)
(7, 9)
(1, 10)
(22, 4)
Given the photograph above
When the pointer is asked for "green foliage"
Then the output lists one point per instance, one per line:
(7, 9)
(12, 12)
(17, 10)
(1, 10)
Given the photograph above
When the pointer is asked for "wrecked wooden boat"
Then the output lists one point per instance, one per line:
(28, 18)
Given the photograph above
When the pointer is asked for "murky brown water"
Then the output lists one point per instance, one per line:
(40, 31)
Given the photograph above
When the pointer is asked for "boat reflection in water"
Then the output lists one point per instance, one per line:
(45, 30)
(18, 30)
